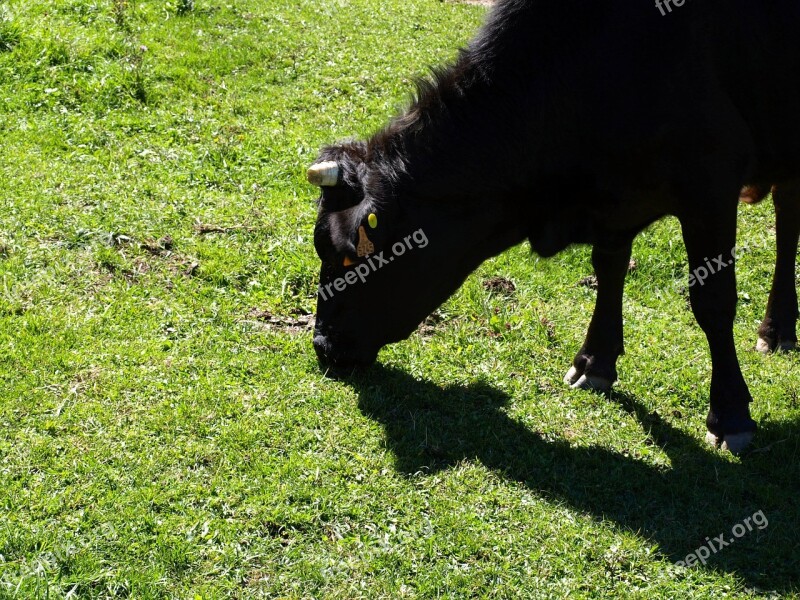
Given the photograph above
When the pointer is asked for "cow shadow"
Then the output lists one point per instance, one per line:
(701, 494)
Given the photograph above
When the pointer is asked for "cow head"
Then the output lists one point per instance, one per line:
(389, 256)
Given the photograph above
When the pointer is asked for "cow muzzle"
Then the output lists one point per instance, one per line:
(340, 356)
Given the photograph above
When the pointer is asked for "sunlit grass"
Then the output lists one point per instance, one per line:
(165, 430)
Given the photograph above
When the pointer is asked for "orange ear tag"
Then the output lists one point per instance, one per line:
(348, 262)
(365, 247)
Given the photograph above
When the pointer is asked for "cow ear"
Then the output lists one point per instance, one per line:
(340, 197)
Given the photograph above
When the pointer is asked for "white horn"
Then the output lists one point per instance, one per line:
(324, 174)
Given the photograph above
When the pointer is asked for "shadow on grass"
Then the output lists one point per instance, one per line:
(703, 494)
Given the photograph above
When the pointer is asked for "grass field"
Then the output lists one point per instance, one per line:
(165, 430)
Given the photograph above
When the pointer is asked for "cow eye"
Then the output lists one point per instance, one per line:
(340, 197)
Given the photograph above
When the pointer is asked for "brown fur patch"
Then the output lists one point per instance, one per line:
(753, 194)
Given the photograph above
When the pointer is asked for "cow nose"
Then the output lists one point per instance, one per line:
(340, 354)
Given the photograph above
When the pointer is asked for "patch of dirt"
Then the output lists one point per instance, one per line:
(500, 285)
(589, 282)
(299, 321)
(549, 328)
(206, 228)
(428, 327)
(114, 238)
(189, 267)
(140, 268)
(84, 379)
(176, 263)
(160, 248)
(278, 532)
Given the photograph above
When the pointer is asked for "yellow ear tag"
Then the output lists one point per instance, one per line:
(364, 247)
(372, 220)
(348, 262)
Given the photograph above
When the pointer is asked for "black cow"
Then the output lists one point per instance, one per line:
(564, 122)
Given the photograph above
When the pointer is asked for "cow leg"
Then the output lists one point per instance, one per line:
(777, 331)
(594, 366)
(713, 296)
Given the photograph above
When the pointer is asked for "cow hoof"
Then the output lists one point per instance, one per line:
(572, 376)
(763, 346)
(592, 383)
(735, 443)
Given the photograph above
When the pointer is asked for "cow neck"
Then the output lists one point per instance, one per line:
(444, 148)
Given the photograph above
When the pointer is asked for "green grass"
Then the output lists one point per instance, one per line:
(165, 431)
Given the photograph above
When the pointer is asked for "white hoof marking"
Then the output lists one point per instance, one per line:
(763, 346)
(737, 443)
(597, 384)
(572, 376)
